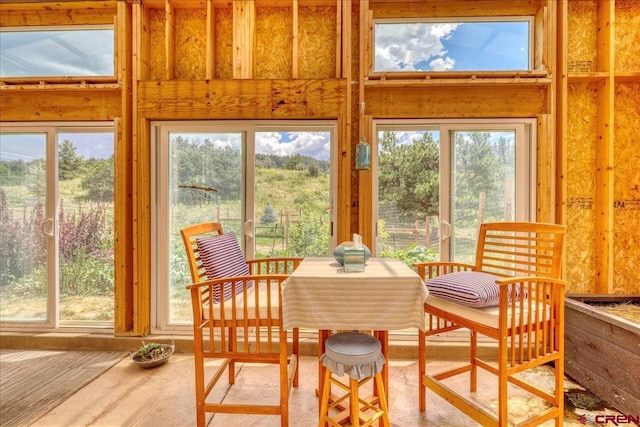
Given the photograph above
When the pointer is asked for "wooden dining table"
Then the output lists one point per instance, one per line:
(387, 295)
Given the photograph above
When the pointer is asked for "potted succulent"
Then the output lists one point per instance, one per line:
(152, 354)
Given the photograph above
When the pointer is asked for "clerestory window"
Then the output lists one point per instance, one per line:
(482, 44)
(67, 51)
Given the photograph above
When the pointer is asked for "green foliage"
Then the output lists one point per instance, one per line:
(478, 170)
(409, 176)
(310, 236)
(86, 275)
(35, 178)
(22, 250)
(313, 170)
(69, 163)
(202, 163)
(415, 253)
(98, 181)
(269, 215)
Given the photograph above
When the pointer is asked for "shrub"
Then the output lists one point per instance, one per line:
(23, 247)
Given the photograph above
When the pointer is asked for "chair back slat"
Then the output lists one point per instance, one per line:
(520, 249)
(189, 235)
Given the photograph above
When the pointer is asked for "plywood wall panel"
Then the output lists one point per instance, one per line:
(581, 37)
(627, 35)
(157, 54)
(273, 50)
(317, 38)
(627, 190)
(580, 178)
(224, 43)
(190, 44)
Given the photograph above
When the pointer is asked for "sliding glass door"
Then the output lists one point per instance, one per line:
(438, 180)
(268, 183)
(56, 225)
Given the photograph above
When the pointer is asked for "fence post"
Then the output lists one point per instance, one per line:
(427, 230)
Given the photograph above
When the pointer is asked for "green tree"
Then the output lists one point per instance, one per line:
(478, 170)
(269, 215)
(69, 163)
(98, 180)
(36, 178)
(409, 175)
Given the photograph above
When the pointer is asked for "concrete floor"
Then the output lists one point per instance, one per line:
(127, 395)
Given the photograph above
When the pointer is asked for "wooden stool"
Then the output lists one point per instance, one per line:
(359, 356)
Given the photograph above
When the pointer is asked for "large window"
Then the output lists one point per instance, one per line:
(437, 181)
(269, 183)
(57, 51)
(453, 45)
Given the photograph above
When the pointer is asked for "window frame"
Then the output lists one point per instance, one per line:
(531, 19)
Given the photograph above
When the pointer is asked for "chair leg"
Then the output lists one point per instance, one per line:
(324, 398)
(473, 354)
(232, 364)
(296, 338)
(200, 393)
(382, 401)
(354, 402)
(503, 377)
(422, 370)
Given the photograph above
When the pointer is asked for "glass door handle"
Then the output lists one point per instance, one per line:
(445, 230)
(247, 229)
(48, 227)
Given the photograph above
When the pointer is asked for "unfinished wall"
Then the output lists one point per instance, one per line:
(603, 61)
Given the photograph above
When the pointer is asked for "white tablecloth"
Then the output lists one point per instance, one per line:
(388, 295)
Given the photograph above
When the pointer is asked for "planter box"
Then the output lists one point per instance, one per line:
(602, 350)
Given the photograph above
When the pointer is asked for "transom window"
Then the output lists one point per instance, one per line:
(57, 52)
(487, 44)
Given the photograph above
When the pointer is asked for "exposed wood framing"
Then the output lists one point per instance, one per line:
(560, 113)
(220, 99)
(604, 150)
(545, 175)
(343, 9)
(365, 128)
(169, 41)
(244, 16)
(123, 176)
(295, 72)
(210, 56)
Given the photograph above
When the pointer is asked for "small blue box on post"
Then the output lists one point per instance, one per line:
(354, 259)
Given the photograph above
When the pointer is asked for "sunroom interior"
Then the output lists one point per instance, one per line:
(298, 124)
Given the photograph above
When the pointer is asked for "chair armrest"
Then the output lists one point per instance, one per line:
(428, 270)
(274, 265)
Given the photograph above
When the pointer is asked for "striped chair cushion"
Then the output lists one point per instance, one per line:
(468, 288)
(221, 257)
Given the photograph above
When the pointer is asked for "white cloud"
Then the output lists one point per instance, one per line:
(313, 144)
(406, 46)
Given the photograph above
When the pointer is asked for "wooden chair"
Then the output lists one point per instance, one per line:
(528, 323)
(239, 319)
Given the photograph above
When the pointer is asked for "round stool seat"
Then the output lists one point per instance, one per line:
(354, 353)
